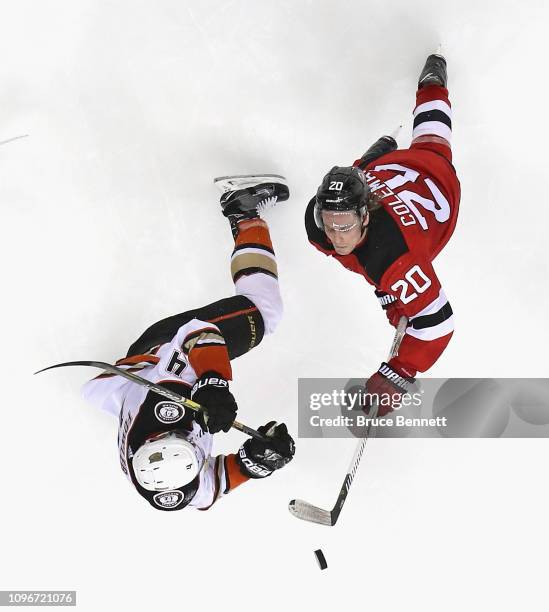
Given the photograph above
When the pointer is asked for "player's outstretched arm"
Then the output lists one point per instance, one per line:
(430, 318)
(259, 459)
(211, 391)
(221, 475)
(421, 299)
(255, 460)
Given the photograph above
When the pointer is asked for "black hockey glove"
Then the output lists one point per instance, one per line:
(259, 459)
(212, 392)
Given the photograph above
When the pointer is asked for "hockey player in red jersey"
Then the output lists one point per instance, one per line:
(386, 218)
(165, 450)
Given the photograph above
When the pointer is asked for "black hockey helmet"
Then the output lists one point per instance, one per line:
(343, 189)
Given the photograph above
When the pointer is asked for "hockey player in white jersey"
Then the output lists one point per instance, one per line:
(165, 450)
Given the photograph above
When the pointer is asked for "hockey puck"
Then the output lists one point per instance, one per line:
(320, 559)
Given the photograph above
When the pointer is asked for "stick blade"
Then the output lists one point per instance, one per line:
(94, 364)
(307, 512)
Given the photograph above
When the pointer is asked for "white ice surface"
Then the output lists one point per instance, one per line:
(110, 221)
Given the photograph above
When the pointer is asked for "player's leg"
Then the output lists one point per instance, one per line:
(253, 262)
(238, 319)
(433, 112)
(256, 309)
(382, 146)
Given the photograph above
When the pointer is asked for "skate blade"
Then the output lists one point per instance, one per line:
(243, 181)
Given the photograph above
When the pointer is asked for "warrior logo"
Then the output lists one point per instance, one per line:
(168, 499)
(169, 412)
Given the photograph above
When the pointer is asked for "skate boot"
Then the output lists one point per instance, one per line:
(381, 146)
(434, 72)
(246, 197)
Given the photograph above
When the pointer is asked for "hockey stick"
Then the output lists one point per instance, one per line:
(175, 397)
(308, 512)
(3, 142)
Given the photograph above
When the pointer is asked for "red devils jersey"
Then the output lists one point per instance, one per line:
(419, 194)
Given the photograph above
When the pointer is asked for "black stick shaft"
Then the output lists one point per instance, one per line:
(175, 397)
(359, 450)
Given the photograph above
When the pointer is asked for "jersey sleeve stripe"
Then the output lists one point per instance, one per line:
(431, 320)
(209, 334)
(206, 350)
(210, 339)
(139, 360)
(432, 115)
(433, 306)
(210, 343)
(434, 332)
(435, 128)
(434, 321)
(440, 105)
(126, 368)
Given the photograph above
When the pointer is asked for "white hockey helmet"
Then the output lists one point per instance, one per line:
(166, 461)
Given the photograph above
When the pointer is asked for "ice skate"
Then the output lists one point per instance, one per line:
(247, 196)
(434, 72)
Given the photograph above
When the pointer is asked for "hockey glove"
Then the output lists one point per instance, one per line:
(388, 385)
(212, 391)
(392, 307)
(259, 459)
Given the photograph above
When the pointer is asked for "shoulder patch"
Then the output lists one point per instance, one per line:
(169, 412)
(168, 499)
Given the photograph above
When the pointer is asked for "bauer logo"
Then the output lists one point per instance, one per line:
(168, 412)
(168, 499)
